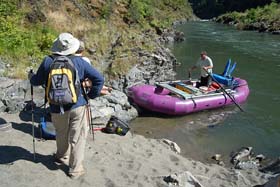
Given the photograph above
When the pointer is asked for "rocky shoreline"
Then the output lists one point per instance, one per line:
(157, 65)
(261, 26)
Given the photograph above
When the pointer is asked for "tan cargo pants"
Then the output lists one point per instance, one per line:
(71, 132)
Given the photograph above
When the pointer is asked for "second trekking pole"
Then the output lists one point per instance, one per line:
(88, 109)
(33, 128)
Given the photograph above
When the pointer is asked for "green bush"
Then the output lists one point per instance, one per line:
(8, 8)
(156, 23)
(10, 34)
(17, 42)
(175, 4)
(44, 37)
(157, 13)
(269, 13)
(106, 10)
(139, 11)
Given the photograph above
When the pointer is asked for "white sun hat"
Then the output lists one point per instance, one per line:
(65, 44)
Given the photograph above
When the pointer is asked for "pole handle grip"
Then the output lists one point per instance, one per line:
(31, 72)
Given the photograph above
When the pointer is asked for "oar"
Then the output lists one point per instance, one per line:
(233, 100)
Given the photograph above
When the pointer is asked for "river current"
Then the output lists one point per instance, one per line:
(203, 134)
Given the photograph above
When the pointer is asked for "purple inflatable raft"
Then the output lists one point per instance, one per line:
(182, 97)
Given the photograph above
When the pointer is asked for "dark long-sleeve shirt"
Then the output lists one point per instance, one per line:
(85, 70)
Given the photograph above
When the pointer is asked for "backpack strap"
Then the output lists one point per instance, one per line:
(52, 56)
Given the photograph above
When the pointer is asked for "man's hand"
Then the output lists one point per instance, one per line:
(30, 74)
(87, 83)
(191, 68)
(105, 90)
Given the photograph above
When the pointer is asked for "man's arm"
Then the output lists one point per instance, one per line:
(40, 77)
(96, 79)
(192, 68)
(207, 67)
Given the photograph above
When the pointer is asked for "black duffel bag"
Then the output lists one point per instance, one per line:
(116, 126)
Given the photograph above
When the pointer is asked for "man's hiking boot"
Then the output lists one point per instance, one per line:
(76, 175)
(60, 161)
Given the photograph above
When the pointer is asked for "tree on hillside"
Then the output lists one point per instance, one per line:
(211, 8)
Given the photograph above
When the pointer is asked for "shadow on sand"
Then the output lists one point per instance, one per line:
(11, 154)
(27, 128)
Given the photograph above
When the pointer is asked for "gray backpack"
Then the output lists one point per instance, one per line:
(63, 84)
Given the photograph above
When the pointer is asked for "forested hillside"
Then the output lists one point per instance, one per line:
(114, 30)
(206, 9)
(111, 29)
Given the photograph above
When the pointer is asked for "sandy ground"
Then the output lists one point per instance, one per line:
(110, 160)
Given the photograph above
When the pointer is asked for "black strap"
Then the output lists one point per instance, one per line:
(52, 56)
(84, 93)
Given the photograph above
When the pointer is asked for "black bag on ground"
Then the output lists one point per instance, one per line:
(116, 126)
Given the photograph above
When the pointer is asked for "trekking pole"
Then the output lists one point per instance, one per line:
(32, 112)
(88, 112)
(90, 120)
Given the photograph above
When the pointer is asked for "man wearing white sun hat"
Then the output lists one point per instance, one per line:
(71, 126)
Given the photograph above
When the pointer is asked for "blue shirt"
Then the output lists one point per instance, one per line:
(85, 70)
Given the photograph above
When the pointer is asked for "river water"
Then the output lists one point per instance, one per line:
(203, 134)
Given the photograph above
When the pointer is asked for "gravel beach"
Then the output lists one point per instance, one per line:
(110, 160)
